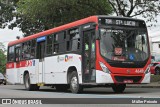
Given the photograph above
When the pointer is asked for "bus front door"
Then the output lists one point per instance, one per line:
(88, 57)
(40, 56)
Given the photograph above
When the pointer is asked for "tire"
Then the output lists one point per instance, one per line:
(28, 86)
(119, 88)
(157, 71)
(62, 88)
(4, 82)
(75, 87)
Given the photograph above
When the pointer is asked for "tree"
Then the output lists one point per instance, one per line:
(2, 58)
(37, 15)
(148, 9)
(7, 11)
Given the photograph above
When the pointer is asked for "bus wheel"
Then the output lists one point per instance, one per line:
(75, 87)
(157, 71)
(119, 88)
(62, 87)
(28, 86)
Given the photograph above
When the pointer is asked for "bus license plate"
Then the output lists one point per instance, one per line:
(128, 81)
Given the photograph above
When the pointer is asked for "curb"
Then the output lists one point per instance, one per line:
(142, 86)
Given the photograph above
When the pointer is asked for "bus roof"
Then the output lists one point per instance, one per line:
(119, 17)
(56, 29)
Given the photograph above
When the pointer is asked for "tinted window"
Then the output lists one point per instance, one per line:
(33, 49)
(73, 44)
(55, 44)
(11, 54)
(26, 53)
(49, 44)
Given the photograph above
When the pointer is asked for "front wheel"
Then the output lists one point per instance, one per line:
(119, 88)
(157, 71)
(28, 85)
(75, 87)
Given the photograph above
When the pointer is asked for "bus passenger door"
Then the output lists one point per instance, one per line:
(40, 56)
(88, 56)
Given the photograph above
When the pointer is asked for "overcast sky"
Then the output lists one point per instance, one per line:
(7, 35)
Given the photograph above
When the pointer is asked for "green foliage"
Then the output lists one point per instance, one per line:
(147, 9)
(33, 16)
(39, 15)
(155, 78)
(7, 11)
(2, 58)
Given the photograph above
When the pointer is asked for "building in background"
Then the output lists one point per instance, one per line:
(155, 47)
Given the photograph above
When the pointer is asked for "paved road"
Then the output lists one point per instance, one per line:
(18, 91)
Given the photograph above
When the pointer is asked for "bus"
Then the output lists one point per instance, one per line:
(95, 51)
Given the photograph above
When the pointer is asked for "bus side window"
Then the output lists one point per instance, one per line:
(49, 44)
(26, 47)
(55, 44)
(74, 39)
(11, 54)
(33, 48)
(61, 41)
(17, 54)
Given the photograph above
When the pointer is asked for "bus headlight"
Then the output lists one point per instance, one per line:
(104, 68)
(147, 70)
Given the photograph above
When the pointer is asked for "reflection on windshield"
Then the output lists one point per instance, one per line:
(124, 45)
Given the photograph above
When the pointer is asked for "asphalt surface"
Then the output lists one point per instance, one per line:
(18, 91)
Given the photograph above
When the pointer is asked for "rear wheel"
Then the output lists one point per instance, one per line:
(28, 85)
(4, 82)
(157, 71)
(119, 88)
(75, 87)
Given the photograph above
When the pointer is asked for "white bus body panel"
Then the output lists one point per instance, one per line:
(56, 68)
(102, 77)
(53, 70)
(11, 75)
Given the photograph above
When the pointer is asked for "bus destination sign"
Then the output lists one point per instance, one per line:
(121, 22)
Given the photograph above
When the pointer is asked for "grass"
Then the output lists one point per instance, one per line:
(155, 78)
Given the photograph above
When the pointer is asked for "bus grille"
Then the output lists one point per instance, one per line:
(123, 78)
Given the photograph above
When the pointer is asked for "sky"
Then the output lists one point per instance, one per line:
(7, 35)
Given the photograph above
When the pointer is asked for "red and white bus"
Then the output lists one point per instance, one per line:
(95, 51)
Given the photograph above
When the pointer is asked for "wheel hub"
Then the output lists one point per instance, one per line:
(74, 83)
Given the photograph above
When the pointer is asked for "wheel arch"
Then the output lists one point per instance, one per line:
(25, 72)
(157, 67)
(69, 71)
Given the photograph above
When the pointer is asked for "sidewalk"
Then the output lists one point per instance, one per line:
(150, 85)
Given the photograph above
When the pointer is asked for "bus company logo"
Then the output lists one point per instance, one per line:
(67, 58)
(60, 59)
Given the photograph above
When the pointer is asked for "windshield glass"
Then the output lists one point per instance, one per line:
(124, 44)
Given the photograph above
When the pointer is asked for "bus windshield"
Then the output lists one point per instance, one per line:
(127, 45)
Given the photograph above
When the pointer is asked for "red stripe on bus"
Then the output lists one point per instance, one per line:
(10, 65)
(20, 64)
